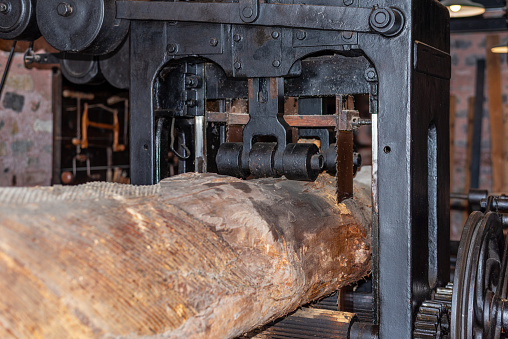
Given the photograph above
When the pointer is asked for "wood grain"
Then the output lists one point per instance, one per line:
(495, 113)
(197, 256)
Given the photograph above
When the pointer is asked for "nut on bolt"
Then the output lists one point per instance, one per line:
(64, 9)
(386, 21)
(4, 8)
(300, 35)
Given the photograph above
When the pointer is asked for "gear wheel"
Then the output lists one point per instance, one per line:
(433, 318)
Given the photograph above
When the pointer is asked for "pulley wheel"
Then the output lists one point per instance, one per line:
(480, 271)
(86, 26)
(17, 20)
(116, 66)
(81, 69)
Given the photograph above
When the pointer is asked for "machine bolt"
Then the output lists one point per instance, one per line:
(276, 63)
(370, 74)
(300, 35)
(347, 35)
(247, 12)
(275, 34)
(213, 42)
(348, 2)
(171, 48)
(64, 9)
(237, 37)
(238, 65)
(4, 8)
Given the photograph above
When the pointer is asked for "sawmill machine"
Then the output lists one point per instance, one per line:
(209, 82)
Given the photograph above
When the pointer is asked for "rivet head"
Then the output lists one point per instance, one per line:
(275, 34)
(347, 35)
(213, 42)
(237, 37)
(247, 12)
(348, 2)
(171, 48)
(64, 9)
(237, 65)
(276, 63)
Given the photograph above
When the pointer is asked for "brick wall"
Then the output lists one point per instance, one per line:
(466, 49)
(25, 125)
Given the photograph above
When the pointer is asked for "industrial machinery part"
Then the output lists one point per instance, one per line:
(433, 318)
(192, 60)
(87, 26)
(81, 69)
(17, 20)
(480, 285)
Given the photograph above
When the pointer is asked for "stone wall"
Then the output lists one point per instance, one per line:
(26, 125)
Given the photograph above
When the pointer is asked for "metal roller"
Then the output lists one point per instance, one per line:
(86, 26)
(81, 69)
(262, 159)
(302, 161)
(229, 159)
(17, 20)
(116, 66)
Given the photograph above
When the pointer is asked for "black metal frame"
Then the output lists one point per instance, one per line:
(185, 53)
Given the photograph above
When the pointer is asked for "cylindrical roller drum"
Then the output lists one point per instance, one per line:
(81, 69)
(229, 159)
(87, 26)
(262, 159)
(302, 161)
(17, 20)
(116, 66)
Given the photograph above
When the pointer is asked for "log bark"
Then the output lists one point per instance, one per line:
(196, 256)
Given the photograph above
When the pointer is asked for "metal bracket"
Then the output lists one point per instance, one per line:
(385, 21)
(249, 10)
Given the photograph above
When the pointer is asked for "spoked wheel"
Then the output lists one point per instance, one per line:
(480, 283)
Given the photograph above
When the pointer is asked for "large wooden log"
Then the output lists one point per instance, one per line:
(197, 256)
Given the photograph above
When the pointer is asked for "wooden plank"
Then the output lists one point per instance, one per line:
(505, 150)
(197, 256)
(321, 121)
(495, 112)
(469, 143)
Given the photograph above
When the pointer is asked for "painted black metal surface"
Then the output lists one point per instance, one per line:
(186, 57)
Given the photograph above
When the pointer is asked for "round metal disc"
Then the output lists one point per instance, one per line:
(81, 69)
(478, 261)
(17, 20)
(87, 26)
(116, 66)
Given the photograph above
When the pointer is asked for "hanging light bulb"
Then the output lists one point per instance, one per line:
(455, 8)
(502, 47)
(463, 8)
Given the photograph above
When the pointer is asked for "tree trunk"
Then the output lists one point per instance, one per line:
(197, 256)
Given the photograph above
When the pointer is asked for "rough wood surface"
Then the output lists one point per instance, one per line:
(197, 256)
